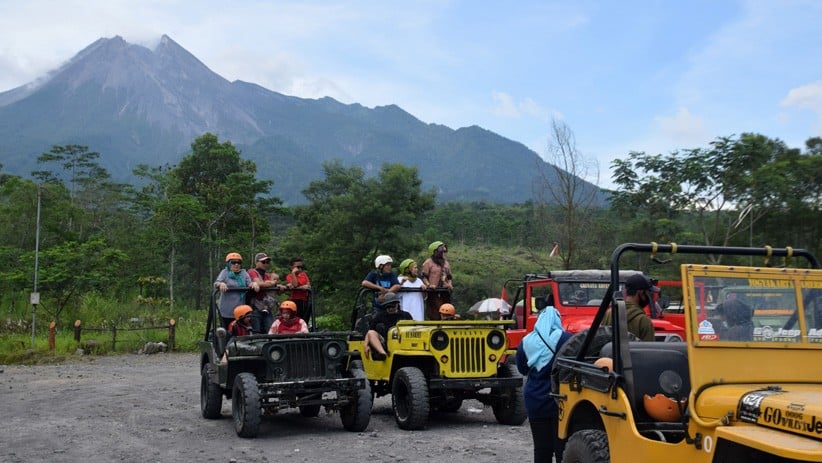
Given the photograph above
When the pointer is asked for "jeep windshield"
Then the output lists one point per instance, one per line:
(769, 306)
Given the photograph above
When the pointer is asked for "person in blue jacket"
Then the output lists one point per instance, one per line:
(535, 357)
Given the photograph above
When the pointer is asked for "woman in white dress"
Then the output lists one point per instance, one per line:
(411, 301)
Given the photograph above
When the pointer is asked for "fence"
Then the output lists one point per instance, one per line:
(79, 329)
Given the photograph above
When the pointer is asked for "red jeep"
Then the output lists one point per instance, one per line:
(577, 295)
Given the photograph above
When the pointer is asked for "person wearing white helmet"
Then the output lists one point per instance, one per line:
(381, 280)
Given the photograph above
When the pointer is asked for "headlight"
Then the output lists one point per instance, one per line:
(496, 340)
(333, 350)
(439, 340)
(276, 354)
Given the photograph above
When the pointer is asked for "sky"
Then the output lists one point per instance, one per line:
(622, 76)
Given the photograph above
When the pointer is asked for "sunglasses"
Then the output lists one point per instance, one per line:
(235, 262)
(299, 267)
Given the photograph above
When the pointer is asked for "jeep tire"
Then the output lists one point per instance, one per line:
(357, 414)
(587, 446)
(509, 407)
(409, 398)
(211, 396)
(245, 405)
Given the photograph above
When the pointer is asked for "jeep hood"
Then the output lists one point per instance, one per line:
(793, 408)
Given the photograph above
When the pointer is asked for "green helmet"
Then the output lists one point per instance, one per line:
(405, 264)
(433, 246)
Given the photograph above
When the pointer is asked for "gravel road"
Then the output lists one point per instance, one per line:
(145, 408)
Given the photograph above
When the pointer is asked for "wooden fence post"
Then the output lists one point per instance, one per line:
(113, 338)
(52, 334)
(172, 328)
(77, 330)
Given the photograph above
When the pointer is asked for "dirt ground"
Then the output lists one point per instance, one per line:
(145, 408)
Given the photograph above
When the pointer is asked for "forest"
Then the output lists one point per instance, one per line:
(112, 253)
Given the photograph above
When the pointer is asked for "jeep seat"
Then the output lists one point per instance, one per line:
(649, 360)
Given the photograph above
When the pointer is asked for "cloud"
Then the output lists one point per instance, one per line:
(507, 106)
(682, 128)
(806, 97)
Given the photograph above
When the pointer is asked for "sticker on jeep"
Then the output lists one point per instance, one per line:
(750, 403)
(706, 331)
(766, 333)
(815, 335)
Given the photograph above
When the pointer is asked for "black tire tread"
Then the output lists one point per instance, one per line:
(411, 388)
(587, 446)
(211, 395)
(512, 411)
(245, 405)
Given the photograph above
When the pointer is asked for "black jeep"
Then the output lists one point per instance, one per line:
(265, 373)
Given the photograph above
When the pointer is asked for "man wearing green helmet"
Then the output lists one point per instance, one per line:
(436, 275)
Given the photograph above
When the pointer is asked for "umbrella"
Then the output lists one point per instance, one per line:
(490, 305)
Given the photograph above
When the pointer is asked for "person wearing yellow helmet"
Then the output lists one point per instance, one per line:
(436, 275)
(411, 286)
(231, 280)
(288, 322)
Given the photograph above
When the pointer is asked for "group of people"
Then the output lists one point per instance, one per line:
(538, 349)
(247, 312)
(421, 291)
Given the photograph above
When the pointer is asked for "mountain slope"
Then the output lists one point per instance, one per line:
(135, 105)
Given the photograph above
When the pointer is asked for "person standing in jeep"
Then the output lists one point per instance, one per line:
(638, 289)
(436, 274)
(263, 302)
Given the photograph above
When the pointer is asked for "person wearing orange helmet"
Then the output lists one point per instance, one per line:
(231, 281)
(448, 312)
(288, 322)
(241, 325)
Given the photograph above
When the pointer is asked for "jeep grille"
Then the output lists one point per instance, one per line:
(304, 360)
(467, 354)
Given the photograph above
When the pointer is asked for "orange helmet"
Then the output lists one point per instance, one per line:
(241, 311)
(288, 305)
(663, 408)
(233, 256)
(447, 309)
(607, 362)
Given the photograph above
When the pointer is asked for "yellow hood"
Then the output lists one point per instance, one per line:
(794, 408)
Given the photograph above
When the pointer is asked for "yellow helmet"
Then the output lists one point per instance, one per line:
(433, 246)
(241, 311)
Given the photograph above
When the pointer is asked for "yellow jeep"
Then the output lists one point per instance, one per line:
(745, 385)
(435, 365)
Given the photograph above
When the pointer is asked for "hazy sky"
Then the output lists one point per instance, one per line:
(652, 76)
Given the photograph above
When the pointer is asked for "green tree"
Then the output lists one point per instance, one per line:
(723, 190)
(351, 219)
(231, 213)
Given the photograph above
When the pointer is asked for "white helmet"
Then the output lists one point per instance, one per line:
(382, 260)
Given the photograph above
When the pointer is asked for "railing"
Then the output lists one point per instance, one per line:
(113, 329)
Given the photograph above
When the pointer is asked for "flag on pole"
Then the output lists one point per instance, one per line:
(555, 250)
(503, 295)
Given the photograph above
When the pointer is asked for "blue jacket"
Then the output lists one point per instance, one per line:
(538, 401)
